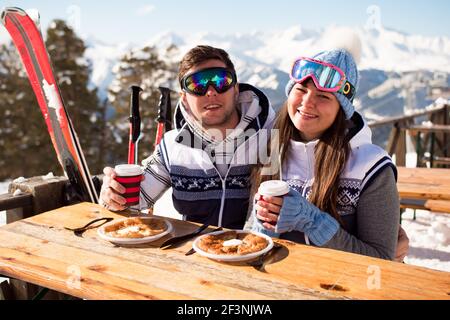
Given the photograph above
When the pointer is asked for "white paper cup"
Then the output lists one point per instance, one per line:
(273, 188)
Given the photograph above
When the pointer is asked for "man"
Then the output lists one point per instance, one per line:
(220, 125)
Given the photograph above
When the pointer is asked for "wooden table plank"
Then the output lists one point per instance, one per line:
(41, 251)
(424, 183)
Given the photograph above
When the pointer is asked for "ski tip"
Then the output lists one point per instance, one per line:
(7, 10)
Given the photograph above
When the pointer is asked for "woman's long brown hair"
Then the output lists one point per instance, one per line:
(331, 155)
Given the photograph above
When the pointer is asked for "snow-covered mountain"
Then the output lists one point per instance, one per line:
(263, 58)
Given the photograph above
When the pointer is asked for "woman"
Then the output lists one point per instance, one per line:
(343, 192)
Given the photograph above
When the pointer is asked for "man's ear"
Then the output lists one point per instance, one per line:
(236, 90)
(184, 99)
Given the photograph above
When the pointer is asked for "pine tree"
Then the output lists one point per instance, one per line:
(25, 146)
(145, 68)
(72, 71)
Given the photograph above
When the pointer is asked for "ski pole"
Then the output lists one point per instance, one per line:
(164, 114)
(135, 125)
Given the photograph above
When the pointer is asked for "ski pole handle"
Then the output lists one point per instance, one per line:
(164, 114)
(135, 125)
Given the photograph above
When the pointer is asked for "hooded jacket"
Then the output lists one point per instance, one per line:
(367, 201)
(365, 162)
(186, 161)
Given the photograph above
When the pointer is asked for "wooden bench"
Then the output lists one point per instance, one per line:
(424, 189)
(438, 206)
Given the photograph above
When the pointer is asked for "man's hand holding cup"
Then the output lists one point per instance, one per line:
(121, 185)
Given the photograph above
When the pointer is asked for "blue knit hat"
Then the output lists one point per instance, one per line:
(343, 60)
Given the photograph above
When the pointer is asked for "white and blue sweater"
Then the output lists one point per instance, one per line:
(185, 160)
(367, 203)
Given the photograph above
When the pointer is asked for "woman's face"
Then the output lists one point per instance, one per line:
(311, 111)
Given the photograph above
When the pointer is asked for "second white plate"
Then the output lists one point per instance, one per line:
(233, 258)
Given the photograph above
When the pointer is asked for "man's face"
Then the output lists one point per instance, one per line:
(213, 110)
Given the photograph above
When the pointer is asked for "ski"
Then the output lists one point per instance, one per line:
(29, 42)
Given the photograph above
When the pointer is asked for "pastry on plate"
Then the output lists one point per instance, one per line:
(232, 243)
(136, 228)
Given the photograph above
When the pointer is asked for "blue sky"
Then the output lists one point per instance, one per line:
(140, 20)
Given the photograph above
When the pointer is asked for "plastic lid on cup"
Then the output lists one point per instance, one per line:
(128, 170)
(273, 188)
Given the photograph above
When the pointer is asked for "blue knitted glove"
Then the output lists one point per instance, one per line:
(300, 215)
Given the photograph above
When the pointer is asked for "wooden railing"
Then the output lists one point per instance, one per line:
(17, 207)
(433, 138)
(37, 195)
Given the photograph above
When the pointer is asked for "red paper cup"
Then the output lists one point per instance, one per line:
(129, 176)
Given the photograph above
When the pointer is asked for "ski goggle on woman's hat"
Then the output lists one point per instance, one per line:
(197, 83)
(326, 76)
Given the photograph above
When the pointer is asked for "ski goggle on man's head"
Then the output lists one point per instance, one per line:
(326, 77)
(197, 83)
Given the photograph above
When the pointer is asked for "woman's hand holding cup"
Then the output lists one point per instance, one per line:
(269, 201)
(267, 210)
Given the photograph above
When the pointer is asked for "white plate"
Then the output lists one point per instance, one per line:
(233, 258)
(104, 236)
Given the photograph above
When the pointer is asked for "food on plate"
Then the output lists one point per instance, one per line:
(136, 228)
(232, 243)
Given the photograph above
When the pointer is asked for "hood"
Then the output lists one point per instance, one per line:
(360, 132)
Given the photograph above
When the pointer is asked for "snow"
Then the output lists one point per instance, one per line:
(16, 193)
(52, 96)
(18, 180)
(48, 176)
(34, 15)
(429, 237)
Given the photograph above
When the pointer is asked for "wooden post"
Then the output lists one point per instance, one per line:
(47, 194)
(5, 291)
(400, 148)
(446, 136)
(393, 139)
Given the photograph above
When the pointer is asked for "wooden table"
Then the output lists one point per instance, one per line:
(40, 251)
(424, 183)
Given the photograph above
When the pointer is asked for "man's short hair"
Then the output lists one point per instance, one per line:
(200, 54)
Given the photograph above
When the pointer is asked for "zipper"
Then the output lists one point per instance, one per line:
(304, 189)
(222, 203)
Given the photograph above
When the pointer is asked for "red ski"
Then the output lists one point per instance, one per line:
(29, 42)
